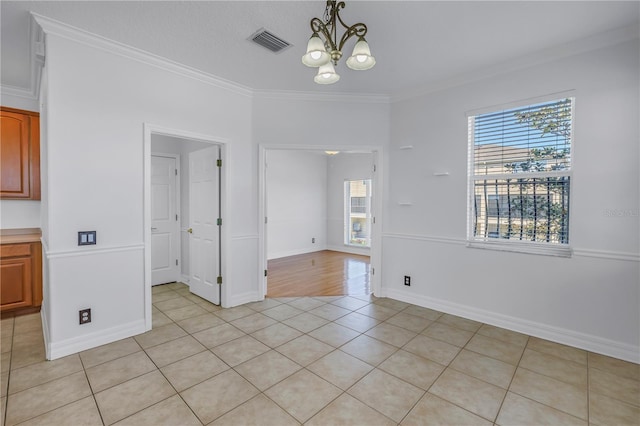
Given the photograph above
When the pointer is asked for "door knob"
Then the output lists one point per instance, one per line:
(190, 230)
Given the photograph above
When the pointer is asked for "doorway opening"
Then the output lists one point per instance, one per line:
(184, 202)
(305, 250)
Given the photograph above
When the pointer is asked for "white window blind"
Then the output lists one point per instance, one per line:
(520, 174)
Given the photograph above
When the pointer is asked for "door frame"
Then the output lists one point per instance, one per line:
(176, 195)
(223, 143)
(377, 180)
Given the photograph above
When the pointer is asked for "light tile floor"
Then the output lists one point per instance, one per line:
(318, 361)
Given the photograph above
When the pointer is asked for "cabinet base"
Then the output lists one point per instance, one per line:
(19, 312)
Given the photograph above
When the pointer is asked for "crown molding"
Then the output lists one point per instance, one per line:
(52, 26)
(19, 97)
(57, 28)
(595, 42)
(29, 95)
(19, 92)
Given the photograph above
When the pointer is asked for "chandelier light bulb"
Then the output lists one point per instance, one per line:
(361, 58)
(316, 53)
(326, 75)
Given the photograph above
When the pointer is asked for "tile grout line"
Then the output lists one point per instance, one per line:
(588, 390)
(172, 386)
(93, 395)
(6, 401)
(334, 349)
(511, 381)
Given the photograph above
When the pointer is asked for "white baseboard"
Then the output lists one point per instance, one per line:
(184, 279)
(296, 252)
(45, 331)
(576, 339)
(74, 345)
(241, 299)
(351, 250)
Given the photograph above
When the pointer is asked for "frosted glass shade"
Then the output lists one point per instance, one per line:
(361, 58)
(326, 74)
(316, 53)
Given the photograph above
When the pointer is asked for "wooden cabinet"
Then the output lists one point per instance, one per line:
(20, 271)
(19, 154)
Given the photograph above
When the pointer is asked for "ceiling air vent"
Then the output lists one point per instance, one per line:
(270, 41)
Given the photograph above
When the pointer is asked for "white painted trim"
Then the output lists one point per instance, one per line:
(45, 331)
(241, 299)
(525, 247)
(28, 96)
(18, 92)
(184, 279)
(588, 342)
(577, 252)
(351, 250)
(244, 237)
(91, 251)
(427, 238)
(16, 97)
(91, 340)
(605, 254)
(60, 29)
(296, 252)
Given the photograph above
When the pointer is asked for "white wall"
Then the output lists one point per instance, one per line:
(19, 214)
(97, 103)
(296, 202)
(99, 97)
(317, 121)
(343, 166)
(590, 300)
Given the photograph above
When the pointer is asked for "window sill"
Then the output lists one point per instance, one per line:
(522, 247)
(357, 246)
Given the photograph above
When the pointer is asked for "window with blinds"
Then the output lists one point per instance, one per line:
(520, 174)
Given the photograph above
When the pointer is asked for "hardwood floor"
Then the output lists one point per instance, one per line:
(322, 273)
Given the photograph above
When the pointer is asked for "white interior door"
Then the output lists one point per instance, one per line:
(164, 221)
(204, 237)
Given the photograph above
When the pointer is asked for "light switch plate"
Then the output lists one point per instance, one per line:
(86, 238)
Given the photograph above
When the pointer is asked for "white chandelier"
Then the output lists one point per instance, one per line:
(326, 54)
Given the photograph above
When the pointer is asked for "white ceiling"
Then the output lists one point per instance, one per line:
(416, 43)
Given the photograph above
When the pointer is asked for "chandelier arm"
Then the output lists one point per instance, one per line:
(317, 26)
(358, 29)
(336, 8)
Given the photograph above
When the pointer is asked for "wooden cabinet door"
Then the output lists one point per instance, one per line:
(19, 155)
(15, 287)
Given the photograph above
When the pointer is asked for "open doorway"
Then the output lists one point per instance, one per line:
(183, 196)
(309, 246)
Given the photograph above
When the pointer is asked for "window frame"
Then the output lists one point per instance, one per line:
(347, 211)
(509, 245)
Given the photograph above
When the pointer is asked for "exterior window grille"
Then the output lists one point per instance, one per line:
(358, 205)
(520, 174)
